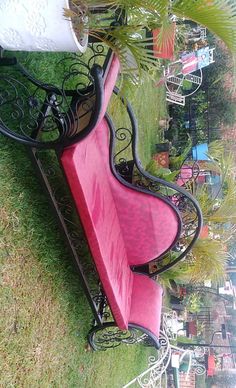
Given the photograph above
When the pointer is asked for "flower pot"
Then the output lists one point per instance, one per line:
(38, 25)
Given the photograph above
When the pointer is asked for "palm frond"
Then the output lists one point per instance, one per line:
(210, 260)
(219, 16)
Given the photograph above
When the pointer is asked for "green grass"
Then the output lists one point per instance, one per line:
(149, 107)
(45, 316)
(148, 103)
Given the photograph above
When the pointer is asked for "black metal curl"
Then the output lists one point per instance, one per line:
(100, 298)
(24, 108)
(147, 185)
(106, 315)
(4, 96)
(122, 134)
(65, 205)
(75, 63)
(163, 341)
(99, 51)
(35, 107)
(110, 336)
(50, 172)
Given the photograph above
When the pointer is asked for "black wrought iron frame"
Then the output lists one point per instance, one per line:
(64, 121)
(97, 300)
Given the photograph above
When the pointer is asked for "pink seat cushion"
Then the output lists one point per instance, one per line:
(109, 84)
(87, 178)
(146, 303)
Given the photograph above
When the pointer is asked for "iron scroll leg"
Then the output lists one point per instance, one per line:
(109, 336)
(39, 168)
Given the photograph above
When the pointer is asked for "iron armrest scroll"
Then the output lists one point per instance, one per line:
(30, 109)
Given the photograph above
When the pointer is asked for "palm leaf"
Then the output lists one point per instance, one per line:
(210, 260)
(219, 16)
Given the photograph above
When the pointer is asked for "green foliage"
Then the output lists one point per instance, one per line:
(209, 260)
(179, 273)
(218, 85)
(193, 302)
(164, 173)
(187, 85)
(177, 161)
(128, 41)
(219, 17)
(185, 340)
(216, 149)
(225, 210)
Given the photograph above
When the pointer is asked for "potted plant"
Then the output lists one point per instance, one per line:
(121, 28)
(43, 25)
(38, 25)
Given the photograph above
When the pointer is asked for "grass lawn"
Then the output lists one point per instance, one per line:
(149, 106)
(44, 314)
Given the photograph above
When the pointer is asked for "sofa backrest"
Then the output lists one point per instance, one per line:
(150, 225)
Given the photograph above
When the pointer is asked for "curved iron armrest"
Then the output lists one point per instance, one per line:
(184, 202)
(34, 108)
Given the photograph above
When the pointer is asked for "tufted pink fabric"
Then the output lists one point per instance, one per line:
(96, 201)
(126, 291)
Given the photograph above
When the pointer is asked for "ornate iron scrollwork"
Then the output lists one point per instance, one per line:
(110, 336)
(37, 112)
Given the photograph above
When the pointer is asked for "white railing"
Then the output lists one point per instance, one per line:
(156, 374)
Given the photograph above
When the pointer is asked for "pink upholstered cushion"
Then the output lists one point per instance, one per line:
(146, 303)
(87, 178)
(149, 225)
(109, 84)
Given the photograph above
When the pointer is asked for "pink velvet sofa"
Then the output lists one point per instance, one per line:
(128, 225)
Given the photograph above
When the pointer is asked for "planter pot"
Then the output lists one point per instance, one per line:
(37, 25)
